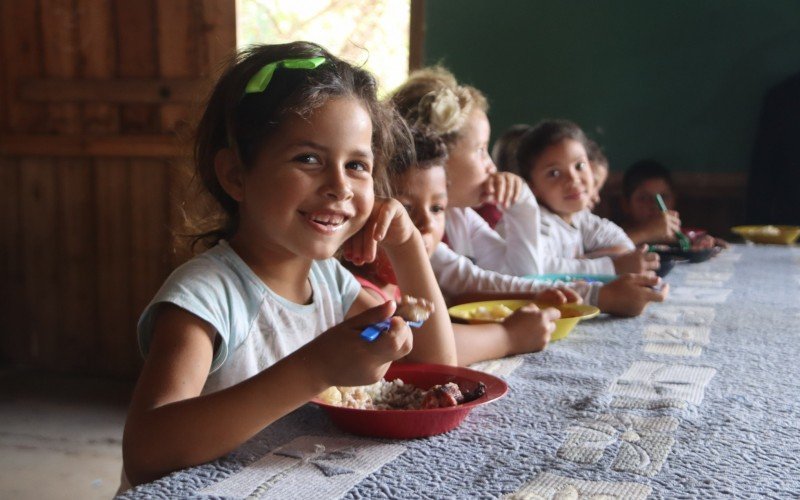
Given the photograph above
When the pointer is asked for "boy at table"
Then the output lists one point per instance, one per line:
(644, 221)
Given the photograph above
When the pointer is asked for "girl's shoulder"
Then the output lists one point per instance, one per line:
(219, 265)
(333, 275)
(550, 218)
(586, 216)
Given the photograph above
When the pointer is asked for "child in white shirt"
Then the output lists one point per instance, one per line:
(422, 188)
(552, 156)
(433, 101)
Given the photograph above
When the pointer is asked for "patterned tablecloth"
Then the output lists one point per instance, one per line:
(696, 398)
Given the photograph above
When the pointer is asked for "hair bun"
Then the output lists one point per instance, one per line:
(445, 111)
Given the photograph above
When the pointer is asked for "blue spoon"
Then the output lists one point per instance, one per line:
(372, 332)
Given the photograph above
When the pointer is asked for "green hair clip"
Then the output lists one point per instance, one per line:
(260, 81)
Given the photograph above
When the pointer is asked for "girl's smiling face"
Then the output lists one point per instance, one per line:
(424, 194)
(469, 163)
(561, 178)
(311, 186)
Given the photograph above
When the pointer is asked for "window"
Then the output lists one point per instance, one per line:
(374, 33)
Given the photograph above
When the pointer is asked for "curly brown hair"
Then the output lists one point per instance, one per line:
(243, 121)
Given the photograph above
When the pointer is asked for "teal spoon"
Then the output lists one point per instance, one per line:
(683, 240)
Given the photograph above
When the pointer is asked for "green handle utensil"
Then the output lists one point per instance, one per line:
(683, 240)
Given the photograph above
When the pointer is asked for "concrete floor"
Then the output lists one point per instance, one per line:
(60, 436)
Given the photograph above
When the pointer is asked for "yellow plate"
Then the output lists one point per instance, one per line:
(777, 235)
(577, 312)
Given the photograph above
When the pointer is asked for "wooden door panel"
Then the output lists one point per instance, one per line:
(96, 101)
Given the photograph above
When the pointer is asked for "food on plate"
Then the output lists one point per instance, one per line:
(501, 311)
(768, 230)
(414, 309)
(569, 313)
(397, 395)
(495, 312)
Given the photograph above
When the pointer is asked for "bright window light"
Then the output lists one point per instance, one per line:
(369, 33)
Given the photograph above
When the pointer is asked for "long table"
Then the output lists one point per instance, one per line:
(696, 398)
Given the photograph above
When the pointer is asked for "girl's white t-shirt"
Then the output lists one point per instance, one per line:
(514, 249)
(564, 245)
(256, 326)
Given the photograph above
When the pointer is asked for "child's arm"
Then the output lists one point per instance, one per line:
(171, 426)
(555, 296)
(601, 237)
(515, 248)
(629, 294)
(527, 330)
(392, 228)
(660, 229)
(607, 252)
(460, 278)
(637, 261)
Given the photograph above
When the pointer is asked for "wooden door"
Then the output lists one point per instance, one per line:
(96, 101)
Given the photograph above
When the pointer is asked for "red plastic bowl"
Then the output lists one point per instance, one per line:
(405, 424)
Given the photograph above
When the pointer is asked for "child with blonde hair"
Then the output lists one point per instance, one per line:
(553, 157)
(292, 145)
(476, 261)
(433, 101)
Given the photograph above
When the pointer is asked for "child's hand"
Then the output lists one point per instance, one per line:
(558, 296)
(708, 241)
(529, 328)
(719, 242)
(703, 242)
(629, 294)
(637, 261)
(663, 226)
(502, 189)
(342, 357)
(388, 225)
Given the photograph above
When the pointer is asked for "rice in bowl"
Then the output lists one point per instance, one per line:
(382, 395)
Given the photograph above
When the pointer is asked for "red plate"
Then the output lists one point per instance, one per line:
(405, 424)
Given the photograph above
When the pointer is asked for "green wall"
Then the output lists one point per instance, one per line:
(677, 80)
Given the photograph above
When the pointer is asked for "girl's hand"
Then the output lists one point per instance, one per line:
(558, 296)
(708, 241)
(663, 226)
(703, 242)
(342, 357)
(529, 328)
(502, 189)
(388, 225)
(637, 261)
(629, 294)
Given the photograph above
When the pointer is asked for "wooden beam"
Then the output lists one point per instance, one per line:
(137, 91)
(416, 37)
(140, 146)
(703, 184)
